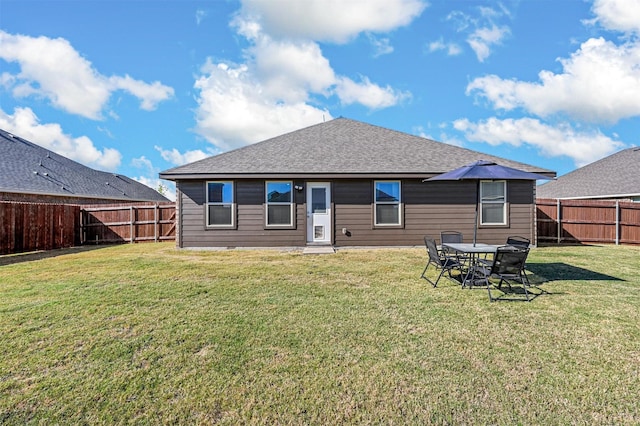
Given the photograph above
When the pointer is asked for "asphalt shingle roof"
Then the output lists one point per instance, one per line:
(342, 147)
(615, 176)
(29, 168)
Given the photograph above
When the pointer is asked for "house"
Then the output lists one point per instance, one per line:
(31, 173)
(342, 183)
(613, 177)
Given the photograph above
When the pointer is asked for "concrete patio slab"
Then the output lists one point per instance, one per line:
(318, 250)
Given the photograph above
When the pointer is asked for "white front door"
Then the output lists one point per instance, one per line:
(319, 215)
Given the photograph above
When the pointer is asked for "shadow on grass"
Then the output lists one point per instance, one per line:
(507, 293)
(518, 293)
(538, 274)
(557, 271)
(10, 259)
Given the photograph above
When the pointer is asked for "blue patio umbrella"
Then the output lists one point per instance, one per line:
(486, 170)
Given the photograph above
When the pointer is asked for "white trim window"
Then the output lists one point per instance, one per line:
(220, 205)
(279, 203)
(387, 209)
(493, 202)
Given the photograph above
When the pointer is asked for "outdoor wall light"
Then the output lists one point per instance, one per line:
(298, 187)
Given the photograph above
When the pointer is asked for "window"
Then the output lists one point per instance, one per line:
(319, 200)
(279, 205)
(387, 209)
(493, 202)
(220, 207)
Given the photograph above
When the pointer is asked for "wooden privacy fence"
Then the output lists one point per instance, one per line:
(31, 226)
(589, 221)
(38, 226)
(127, 223)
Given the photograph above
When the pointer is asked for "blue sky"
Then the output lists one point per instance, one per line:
(137, 87)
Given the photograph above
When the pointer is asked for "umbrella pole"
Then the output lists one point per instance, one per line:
(475, 221)
(475, 227)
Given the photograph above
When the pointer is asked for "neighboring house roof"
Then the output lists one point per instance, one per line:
(339, 148)
(615, 176)
(28, 168)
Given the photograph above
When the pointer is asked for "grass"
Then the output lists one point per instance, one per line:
(148, 334)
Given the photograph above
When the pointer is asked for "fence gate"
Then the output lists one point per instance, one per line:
(127, 223)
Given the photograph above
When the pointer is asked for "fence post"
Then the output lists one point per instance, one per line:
(81, 226)
(155, 222)
(132, 227)
(558, 212)
(617, 222)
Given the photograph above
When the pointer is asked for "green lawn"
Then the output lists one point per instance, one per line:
(147, 334)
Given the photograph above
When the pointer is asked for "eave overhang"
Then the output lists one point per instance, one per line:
(307, 176)
(74, 195)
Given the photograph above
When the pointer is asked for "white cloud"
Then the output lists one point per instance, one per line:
(168, 188)
(143, 163)
(288, 70)
(562, 140)
(200, 15)
(461, 21)
(53, 69)
(599, 83)
(150, 178)
(436, 45)
(452, 48)
(368, 94)
(178, 158)
(482, 39)
(273, 91)
(233, 112)
(382, 46)
(25, 124)
(620, 15)
(150, 95)
(331, 20)
(444, 137)
(483, 34)
(7, 80)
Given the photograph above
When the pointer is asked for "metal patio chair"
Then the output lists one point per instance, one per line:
(508, 267)
(520, 242)
(517, 241)
(440, 262)
(452, 237)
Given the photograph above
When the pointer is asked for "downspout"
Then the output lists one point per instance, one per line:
(178, 217)
(534, 230)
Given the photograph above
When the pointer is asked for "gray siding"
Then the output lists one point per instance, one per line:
(250, 230)
(428, 208)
